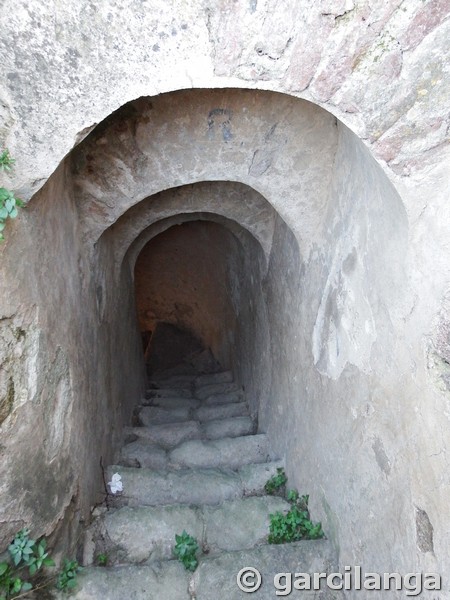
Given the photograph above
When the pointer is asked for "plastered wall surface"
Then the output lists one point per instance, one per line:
(334, 161)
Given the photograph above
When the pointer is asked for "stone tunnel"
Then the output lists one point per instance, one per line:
(262, 228)
(221, 213)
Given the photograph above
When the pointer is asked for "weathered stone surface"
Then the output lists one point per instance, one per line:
(229, 452)
(205, 391)
(156, 415)
(168, 435)
(170, 402)
(141, 453)
(254, 477)
(233, 427)
(142, 533)
(194, 486)
(219, 573)
(164, 581)
(241, 524)
(224, 398)
(169, 393)
(211, 378)
(171, 381)
(148, 533)
(225, 411)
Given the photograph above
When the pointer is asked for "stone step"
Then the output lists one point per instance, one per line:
(156, 415)
(148, 487)
(228, 428)
(225, 452)
(168, 435)
(223, 411)
(171, 435)
(171, 381)
(215, 576)
(148, 533)
(143, 454)
(212, 378)
(223, 398)
(169, 393)
(172, 402)
(168, 580)
(216, 388)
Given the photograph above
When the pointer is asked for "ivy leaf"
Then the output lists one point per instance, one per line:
(26, 587)
(48, 562)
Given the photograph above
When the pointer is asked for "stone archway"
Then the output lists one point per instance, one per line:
(325, 307)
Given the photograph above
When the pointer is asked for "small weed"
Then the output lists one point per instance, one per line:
(6, 161)
(186, 548)
(67, 578)
(101, 559)
(295, 524)
(276, 483)
(8, 201)
(25, 554)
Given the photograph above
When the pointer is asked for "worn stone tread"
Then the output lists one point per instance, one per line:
(155, 415)
(148, 487)
(225, 452)
(215, 576)
(168, 435)
(171, 381)
(212, 378)
(167, 580)
(148, 533)
(185, 486)
(224, 398)
(216, 388)
(221, 411)
(166, 392)
(255, 476)
(173, 402)
(142, 453)
(232, 427)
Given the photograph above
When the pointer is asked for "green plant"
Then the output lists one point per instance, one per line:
(6, 161)
(8, 201)
(25, 554)
(295, 524)
(67, 578)
(275, 484)
(101, 559)
(186, 548)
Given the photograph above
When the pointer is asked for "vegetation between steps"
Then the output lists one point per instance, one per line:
(23, 570)
(186, 549)
(296, 524)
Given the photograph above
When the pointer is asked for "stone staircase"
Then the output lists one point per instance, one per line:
(195, 462)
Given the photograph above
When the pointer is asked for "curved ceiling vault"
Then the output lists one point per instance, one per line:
(280, 146)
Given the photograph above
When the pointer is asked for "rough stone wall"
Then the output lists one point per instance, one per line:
(64, 388)
(370, 425)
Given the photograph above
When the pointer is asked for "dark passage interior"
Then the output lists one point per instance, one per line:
(188, 284)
